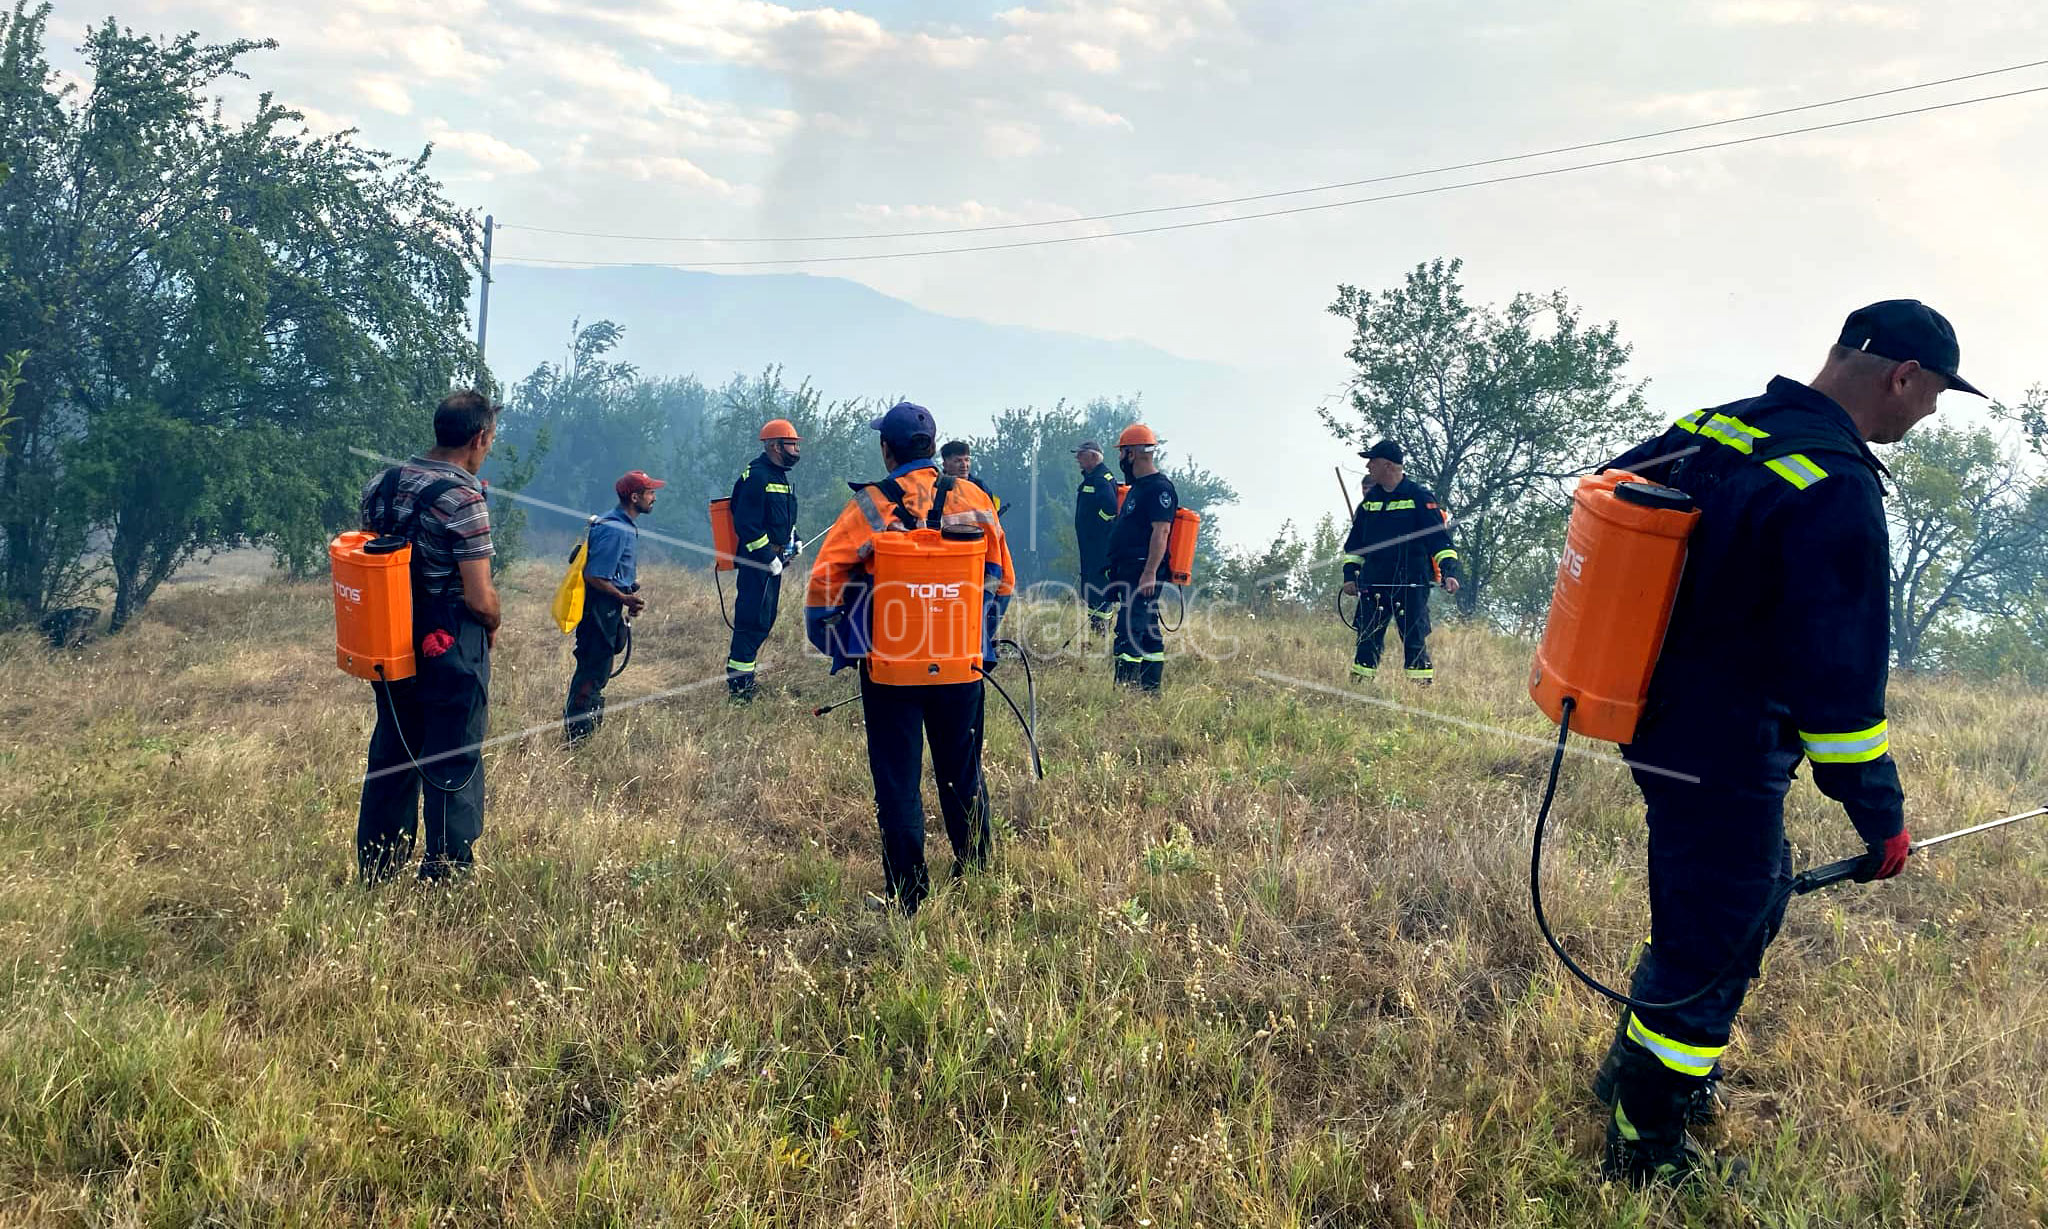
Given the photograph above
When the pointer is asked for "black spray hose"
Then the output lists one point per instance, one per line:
(1030, 680)
(1351, 620)
(626, 628)
(1029, 725)
(391, 706)
(719, 585)
(1182, 599)
(1806, 881)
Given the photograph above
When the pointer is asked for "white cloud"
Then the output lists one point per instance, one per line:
(1802, 12)
(660, 168)
(485, 150)
(385, 94)
(965, 213)
(1012, 139)
(1086, 113)
(1702, 105)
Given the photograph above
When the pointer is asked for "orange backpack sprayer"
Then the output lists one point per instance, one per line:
(372, 605)
(1624, 557)
(372, 573)
(925, 604)
(926, 611)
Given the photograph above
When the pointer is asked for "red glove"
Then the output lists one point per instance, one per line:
(436, 643)
(1884, 861)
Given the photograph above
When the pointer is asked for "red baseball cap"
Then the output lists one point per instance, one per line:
(636, 482)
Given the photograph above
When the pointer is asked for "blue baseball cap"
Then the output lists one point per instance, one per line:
(903, 421)
(1907, 329)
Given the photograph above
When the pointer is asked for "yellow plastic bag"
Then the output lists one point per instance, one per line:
(568, 606)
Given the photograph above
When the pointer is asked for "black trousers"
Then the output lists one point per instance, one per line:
(900, 720)
(1098, 591)
(438, 716)
(1717, 855)
(1406, 607)
(753, 617)
(1140, 641)
(599, 637)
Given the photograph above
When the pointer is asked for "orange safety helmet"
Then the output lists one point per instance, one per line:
(779, 429)
(1137, 434)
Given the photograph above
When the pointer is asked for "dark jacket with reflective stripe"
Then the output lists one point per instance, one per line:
(1780, 641)
(1399, 537)
(1094, 517)
(763, 509)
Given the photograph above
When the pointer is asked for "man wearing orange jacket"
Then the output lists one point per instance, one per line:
(901, 718)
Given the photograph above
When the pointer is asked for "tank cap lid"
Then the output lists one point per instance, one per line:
(962, 533)
(1650, 495)
(385, 544)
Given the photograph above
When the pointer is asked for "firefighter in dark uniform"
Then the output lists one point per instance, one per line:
(1094, 517)
(1777, 651)
(764, 522)
(611, 599)
(900, 719)
(1399, 547)
(1137, 559)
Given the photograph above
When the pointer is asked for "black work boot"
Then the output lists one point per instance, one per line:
(1646, 1136)
(1702, 1109)
(739, 686)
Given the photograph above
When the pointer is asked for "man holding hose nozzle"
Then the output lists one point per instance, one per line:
(1777, 651)
(1398, 548)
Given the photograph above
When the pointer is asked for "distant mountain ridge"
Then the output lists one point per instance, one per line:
(852, 341)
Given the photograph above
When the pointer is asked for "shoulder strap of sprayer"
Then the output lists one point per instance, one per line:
(892, 490)
(387, 495)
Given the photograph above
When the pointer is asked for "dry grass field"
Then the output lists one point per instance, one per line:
(1250, 955)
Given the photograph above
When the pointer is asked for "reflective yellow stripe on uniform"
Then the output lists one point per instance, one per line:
(1401, 505)
(1361, 671)
(1797, 469)
(1733, 432)
(1442, 555)
(1353, 559)
(1152, 657)
(744, 667)
(1107, 516)
(777, 488)
(757, 543)
(1425, 673)
(1856, 747)
(1680, 1057)
(1129, 658)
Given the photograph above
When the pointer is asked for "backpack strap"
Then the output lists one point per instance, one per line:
(933, 518)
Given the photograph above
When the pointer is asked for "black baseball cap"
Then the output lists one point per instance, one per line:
(1908, 330)
(1087, 446)
(1385, 450)
(903, 422)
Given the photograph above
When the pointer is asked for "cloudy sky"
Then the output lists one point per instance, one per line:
(741, 118)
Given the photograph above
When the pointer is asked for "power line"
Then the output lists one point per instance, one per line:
(1276, 213)
(1288, 192)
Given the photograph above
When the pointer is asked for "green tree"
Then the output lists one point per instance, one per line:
(228, 305)
(1969, 527)
(1496, 408)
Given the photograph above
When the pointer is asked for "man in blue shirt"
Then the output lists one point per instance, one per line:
(611, 596)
